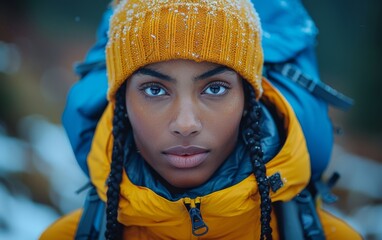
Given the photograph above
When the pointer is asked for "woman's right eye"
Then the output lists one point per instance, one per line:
(153, 90)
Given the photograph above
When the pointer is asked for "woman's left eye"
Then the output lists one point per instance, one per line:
(153, 90)
(218, 88)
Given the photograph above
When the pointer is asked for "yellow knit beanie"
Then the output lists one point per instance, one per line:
(225, 32)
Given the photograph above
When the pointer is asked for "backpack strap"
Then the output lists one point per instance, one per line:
(308, 216)
(298, 219)
(318, 89)
(288, 221)
(323, 189)
(92, 218)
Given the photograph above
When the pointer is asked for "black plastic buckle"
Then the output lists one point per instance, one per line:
(275, 182)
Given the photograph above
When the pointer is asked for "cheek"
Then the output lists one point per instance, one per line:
(226, 126)
(142, 118)
(144, 124)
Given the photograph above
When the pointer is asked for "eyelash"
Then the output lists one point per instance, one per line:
(145, 86)
(226, 85)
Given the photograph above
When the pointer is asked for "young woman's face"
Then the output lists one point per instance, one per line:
(185, 117)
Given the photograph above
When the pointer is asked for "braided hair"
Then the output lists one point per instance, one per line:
(121, 148)
(251, 128)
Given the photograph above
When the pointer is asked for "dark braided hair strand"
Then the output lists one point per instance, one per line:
(252, 139)
(121, 127)
(120, 132)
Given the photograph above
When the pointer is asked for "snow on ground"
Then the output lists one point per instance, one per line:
(52, 157)
(362, 178)
(58, 163)
(21, 218)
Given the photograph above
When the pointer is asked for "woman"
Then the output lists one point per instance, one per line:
(193, 143)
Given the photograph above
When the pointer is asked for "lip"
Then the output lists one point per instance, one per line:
(185, 156)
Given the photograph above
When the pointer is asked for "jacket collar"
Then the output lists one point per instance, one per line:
(291, 162)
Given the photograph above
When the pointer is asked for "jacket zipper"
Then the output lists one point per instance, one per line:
(198, 226)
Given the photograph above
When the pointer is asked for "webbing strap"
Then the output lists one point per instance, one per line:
(319, 89)
(288, 220)
(298, 219)
(308, 215)
(86, 229)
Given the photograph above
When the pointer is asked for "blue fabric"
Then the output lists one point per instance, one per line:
(289, 34)
(287, 28)
(87, 98)
(311, 112)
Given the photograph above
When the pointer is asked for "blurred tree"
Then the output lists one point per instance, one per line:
(349, 47)
(50, 36)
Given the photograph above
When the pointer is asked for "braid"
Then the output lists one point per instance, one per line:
(252, 137)
(251, 133)
(120, 133)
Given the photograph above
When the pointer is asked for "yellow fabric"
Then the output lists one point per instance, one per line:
(221, 31)
(231, 213)
(336, 228)
(64, 228)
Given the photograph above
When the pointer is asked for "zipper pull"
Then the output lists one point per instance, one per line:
(199, 227)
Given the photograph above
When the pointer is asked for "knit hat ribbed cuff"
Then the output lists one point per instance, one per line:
(223, 32)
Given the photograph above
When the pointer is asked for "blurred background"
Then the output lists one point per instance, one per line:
(40, 41)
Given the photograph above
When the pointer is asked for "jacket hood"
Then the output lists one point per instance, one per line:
(224, 210)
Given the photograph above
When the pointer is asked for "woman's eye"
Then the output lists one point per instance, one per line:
(216, 89)
(154, 90)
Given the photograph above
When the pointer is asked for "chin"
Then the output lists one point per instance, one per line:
(185, 181)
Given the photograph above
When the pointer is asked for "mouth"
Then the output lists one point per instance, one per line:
(184, 157)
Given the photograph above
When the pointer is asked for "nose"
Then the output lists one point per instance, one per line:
(186, 122)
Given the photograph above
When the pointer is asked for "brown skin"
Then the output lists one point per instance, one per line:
(174, 103)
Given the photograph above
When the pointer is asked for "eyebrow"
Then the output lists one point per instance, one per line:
(153, 73)
(210, 73)
(213, 72)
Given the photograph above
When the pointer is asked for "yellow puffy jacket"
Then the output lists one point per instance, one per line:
(230, 213)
